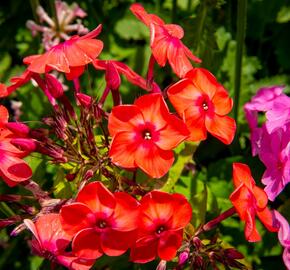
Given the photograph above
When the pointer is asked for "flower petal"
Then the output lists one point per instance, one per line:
(153, 160)
(222, 102)
(168, 244)
(98, 198)
(242, 175)
(267, 218)
(222, 127)
(86, 244)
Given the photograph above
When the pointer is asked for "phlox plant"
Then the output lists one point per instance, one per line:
(118, 159)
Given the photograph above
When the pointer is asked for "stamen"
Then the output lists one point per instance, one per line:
(102, 224)
(147, 135)
(205, 106)
(160, 229)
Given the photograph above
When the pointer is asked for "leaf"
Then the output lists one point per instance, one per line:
(199, 205)
(222, 37)
(131, 29)
(62, 188)
(283, 15)
(183, 157)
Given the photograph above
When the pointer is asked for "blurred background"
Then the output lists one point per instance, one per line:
(245, 44)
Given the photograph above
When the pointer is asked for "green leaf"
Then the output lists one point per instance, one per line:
(283, 15)
(184, 156)
(199, 205)
(222, 37)
(131, 29)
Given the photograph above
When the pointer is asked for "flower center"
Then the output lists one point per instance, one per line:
(102, 224)
(160, 229)
(147, 135)
(205, 106)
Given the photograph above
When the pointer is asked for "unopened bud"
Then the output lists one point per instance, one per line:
(161, 265)
(53, 85)
(24, 144)
(233, 254)
(183, 256)
(196, 242)
(18, 129)
(84, 100)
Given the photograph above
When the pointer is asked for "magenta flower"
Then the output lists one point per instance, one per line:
(284, 237)
(275, 154)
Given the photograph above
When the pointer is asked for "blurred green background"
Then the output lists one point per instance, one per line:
(214, 31)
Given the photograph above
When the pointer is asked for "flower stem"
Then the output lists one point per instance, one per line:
(241, 33)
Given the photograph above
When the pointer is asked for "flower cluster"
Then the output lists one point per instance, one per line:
(271, 140)
(130, 147)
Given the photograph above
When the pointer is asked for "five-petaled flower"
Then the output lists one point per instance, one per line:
(100, 221)
(14, 145)
(70, 56)
(144, 135)
(51, 242)
(204, 104)
(162, 219)
(165, 42)
(249, 201)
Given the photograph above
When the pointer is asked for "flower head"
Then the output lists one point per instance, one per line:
(51, 242)
(249, 201)
(144, 135)
(165, 42)
(162, 219)
(100, 221)
(70, 56)
(204, 104)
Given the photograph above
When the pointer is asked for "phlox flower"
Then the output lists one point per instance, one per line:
(51, 242)
(165, 42)
(14, 145)
(100, 222)
(144, 135)
(284, 237)
(161, 222)
(203, 104)
(275, 154)
(249, 200)
(70, 56)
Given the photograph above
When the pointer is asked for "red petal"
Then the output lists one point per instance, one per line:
(93, 33)
(177, 58)
(251, 233)
(183, 212)
(76, 217)
(172, 134)
(168, 244)
(145, 250)
(55, 58)
(153, 160)
(267, 218)
(204, 81)
(75, 72)
(14, 169)
(91, 48)
(116, 243)
(195, 122)
(191, 55)
(242, 175)
(86, 244)
(112, 76)
(123, 148)
(158, 44)
(261, 197)
(154, 109)
(222, 127)
(98, 198)
(126, 212)
(4, 115)
(183, 95)
(3, 91)
(124, 118)
(222, 102)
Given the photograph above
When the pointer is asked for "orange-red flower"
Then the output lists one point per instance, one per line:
(165, 42)
(204, 104)
(70, 56)
(51, 242)
(144, 135)
(101, 222)
(13, 146)
(249, 201)
(162, 219)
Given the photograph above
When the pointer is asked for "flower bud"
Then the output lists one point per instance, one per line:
(18, 129)
(53, 86)
(233, 254)
(161, 265)
(24, 144)
(183, 256)
(84, 100)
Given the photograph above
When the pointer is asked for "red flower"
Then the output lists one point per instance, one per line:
(114, 69)
(165, 42)
(50, 242)
(69, 57)
(162, 219)
(144, 135)
(13, 146)
(249, 201)
(204, 104)
(101, 222)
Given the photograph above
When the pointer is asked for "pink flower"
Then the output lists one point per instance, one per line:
(275, 154)
(284, 237)
(51, 242)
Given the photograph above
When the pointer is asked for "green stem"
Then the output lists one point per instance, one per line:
(241, 33)
(201, 20)
(34, 4)
(158, 6)
(173, 11)
(189, 5)
(6, 210)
